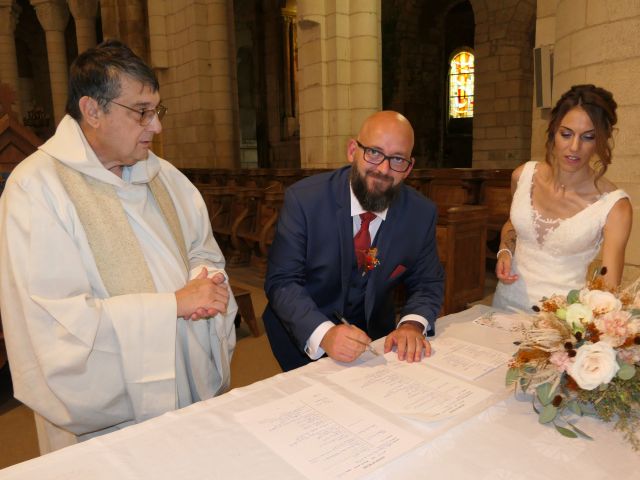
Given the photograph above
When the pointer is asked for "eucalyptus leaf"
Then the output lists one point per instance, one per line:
(579, 432)
(533, 405)
(545, 393)
(547, 414)
(512, 375)
(566, 432)
(626, 371)
(635, 312)
(574, 406)
(573, 296)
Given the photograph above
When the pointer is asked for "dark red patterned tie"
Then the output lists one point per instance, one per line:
(362, 240)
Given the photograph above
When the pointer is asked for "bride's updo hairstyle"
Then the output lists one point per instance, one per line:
(601, 108)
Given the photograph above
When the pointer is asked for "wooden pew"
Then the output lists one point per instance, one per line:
(219, 202)
(268, 212)
(495, 194)
(454, 186)
(244, 211)
(461, 235)
(249, 215)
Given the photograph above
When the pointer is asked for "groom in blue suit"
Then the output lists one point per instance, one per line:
(318, 265)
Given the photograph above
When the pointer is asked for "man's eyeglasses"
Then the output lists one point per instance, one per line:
(376, 157)
(146, 115)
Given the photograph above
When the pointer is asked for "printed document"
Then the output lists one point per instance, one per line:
(465, 359)
(325, 435)
(415, 390)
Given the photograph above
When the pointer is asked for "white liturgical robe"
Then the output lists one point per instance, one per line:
(86, 361)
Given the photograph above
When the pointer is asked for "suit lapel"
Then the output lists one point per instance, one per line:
(345, 230)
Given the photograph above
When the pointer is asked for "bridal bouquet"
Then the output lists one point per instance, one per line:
(580, 355)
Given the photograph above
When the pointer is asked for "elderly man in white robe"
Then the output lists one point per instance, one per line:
(114, 301)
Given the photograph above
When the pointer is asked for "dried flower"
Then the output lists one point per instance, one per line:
(582, 354)
(371, 260)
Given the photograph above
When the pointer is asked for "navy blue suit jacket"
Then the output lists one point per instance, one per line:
(312, 257)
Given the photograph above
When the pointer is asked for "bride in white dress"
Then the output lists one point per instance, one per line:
(564, 210)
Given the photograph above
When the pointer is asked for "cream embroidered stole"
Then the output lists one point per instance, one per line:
(115, 248)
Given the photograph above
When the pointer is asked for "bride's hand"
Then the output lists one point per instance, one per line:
(503, 269)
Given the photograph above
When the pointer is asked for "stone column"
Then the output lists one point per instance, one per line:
(53, 15)
(9, 12)
(84, 13)
(132, 25)
(339, 60)
(289, 80)
(598, 43)
(225, 104)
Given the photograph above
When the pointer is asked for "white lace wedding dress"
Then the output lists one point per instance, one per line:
(552, 255)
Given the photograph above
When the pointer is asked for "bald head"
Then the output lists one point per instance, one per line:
(388, 127)
(381, 159)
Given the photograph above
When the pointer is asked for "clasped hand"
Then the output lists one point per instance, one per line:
(203, 297)
(345, 343)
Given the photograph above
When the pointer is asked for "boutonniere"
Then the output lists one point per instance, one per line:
(371, 260)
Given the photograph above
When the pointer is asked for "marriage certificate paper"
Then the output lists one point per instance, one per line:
(325, 435)
(418, 390)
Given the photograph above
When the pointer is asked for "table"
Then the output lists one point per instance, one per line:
(204, 440)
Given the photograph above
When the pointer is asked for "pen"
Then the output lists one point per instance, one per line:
(344, 320)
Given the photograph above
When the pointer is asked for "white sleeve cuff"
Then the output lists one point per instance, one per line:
(416, 318)
(195, 271)
(312, 348)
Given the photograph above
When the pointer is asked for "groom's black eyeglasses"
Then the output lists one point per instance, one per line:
(376, 157)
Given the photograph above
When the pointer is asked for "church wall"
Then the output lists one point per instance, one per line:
(278, 133)
(597, 42)
(545, 35)
(414, 71)
(339, 75)
(198, 84)
(503, 84)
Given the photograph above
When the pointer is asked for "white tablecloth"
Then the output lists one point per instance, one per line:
(503, 441)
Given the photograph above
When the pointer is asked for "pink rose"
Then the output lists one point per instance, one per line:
(561, 360)
(615, 327)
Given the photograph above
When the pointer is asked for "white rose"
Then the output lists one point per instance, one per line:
(600, 302)
(577, 316)
(594, 364)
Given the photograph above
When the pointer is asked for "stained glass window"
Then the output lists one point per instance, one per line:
(461, 85)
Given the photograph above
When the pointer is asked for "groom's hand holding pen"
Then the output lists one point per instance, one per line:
(345, 322)
(344, 342)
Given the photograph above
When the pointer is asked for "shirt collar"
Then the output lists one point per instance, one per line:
(356, 208)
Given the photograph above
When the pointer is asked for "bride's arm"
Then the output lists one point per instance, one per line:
(616, 234)
(508, 237)
(505, 254)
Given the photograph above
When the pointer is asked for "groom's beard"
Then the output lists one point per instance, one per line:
(372, 201)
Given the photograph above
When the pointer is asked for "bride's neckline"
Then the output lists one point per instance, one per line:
(539, 215)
